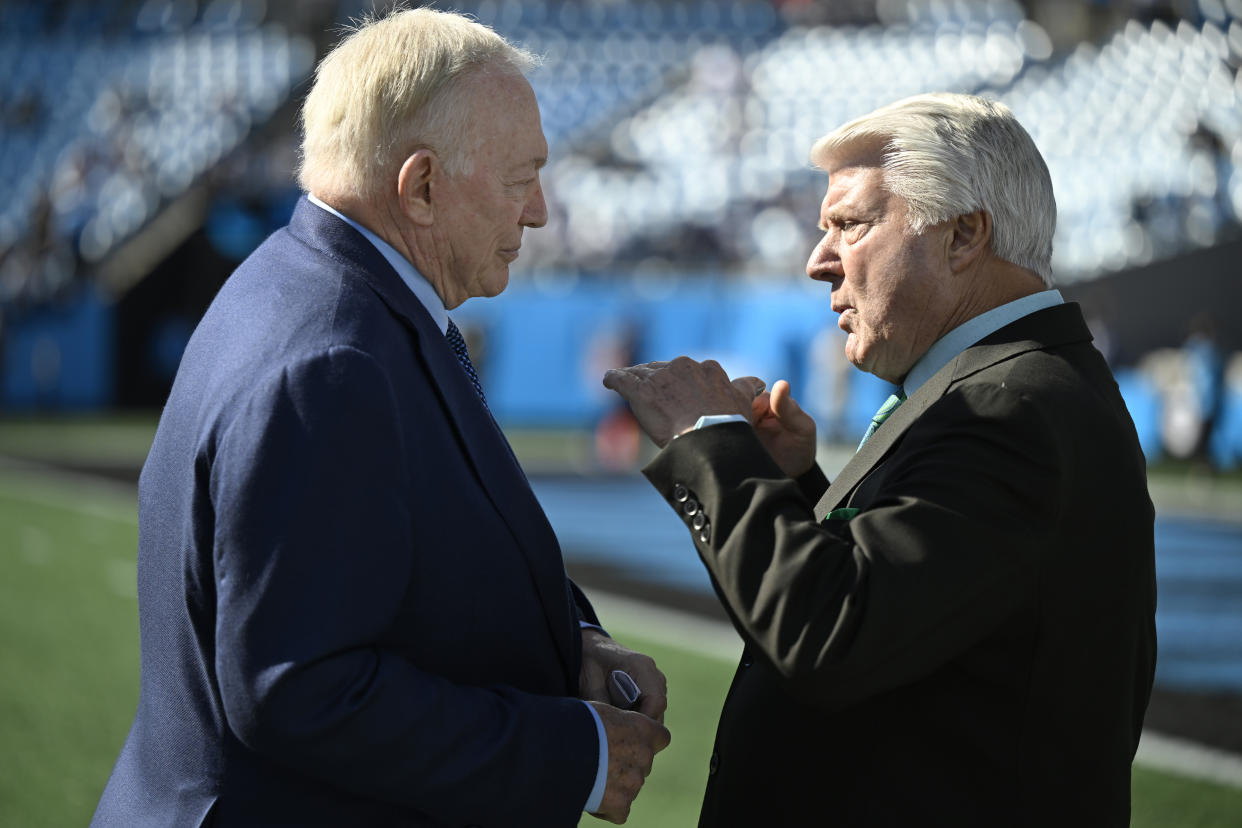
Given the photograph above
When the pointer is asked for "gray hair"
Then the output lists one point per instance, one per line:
(947, 155)
(392, 86)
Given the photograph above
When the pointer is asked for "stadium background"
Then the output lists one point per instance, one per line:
(146, 146)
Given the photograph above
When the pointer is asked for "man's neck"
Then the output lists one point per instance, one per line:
(995, 283)
(384, 218)
(405, 269)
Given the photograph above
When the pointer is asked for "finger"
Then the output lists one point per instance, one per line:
(761, 406)
(750, 386)
(621, 380)
(781, 397)
(653, 706)
(784, 406)
(663, 737)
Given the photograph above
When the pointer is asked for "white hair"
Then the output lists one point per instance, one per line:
(394, 85)
(948, 155)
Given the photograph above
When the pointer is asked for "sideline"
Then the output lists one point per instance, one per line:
(47, 485)
(682, 630)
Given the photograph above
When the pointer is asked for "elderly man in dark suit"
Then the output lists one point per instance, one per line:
(959, 630)
(353, 609)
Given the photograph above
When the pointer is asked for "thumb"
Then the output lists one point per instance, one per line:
(783, 404)
(787, 410)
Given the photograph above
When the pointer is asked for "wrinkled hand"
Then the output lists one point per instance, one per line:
(668, 398)
(601, 655)
(633, 742)
(786, 431)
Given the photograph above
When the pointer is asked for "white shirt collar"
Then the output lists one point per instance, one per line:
(408, 273)
(973, 330)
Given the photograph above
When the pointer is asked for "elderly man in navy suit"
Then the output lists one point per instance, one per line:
(353, 610)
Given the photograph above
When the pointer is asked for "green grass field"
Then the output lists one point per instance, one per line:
(69, 672)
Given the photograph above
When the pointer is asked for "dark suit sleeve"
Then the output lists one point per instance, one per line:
(582, 605)
(945, 551)
(312, 554)
(813, 483)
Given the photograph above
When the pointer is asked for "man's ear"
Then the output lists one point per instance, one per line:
(971, 236)
(419, 173)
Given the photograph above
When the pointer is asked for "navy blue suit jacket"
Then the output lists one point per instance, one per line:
(353, 609)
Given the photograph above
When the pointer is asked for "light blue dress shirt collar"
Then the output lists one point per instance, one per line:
(408, 273)
(971, 331)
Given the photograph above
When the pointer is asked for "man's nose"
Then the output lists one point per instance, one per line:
(818, 265)
(536, 212)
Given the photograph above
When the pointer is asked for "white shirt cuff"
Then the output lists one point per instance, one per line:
(601, 774)
(716, 419)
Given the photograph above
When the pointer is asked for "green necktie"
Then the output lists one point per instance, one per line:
(886, 411)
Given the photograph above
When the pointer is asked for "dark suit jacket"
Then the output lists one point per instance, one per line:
(353, 610)
(976, 646)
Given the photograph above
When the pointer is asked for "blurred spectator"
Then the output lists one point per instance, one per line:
(616, 433)
(1206, 368)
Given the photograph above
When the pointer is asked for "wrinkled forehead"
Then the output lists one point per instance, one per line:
(854, 184)
(504, 117)
(836, 152)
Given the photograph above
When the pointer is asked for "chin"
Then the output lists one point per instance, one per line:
(496, 285)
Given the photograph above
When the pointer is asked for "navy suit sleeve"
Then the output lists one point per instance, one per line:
(582, 606)
(313, 544)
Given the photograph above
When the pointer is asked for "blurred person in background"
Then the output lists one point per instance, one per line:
(353, 609)
(1205, 362)
(960, 629)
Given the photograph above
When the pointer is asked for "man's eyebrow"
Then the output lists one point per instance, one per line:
(537, 163)
(834, 213)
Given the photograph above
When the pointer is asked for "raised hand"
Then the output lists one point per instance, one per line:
(668, 398)
(786, 431)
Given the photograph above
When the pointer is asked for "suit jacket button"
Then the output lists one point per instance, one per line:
(747, 660)
(680, 493)
(691, 506)
(705, 534)
(714, 764)
(700, 520)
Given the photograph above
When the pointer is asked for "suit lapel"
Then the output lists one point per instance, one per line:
(877, 448)
(499, 474)
(1053, 326)
(488, 451)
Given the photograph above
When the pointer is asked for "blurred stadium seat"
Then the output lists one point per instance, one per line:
(105, 123)
(679, 131)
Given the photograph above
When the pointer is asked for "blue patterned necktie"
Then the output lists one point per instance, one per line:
(458, 344)
(886, 411)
